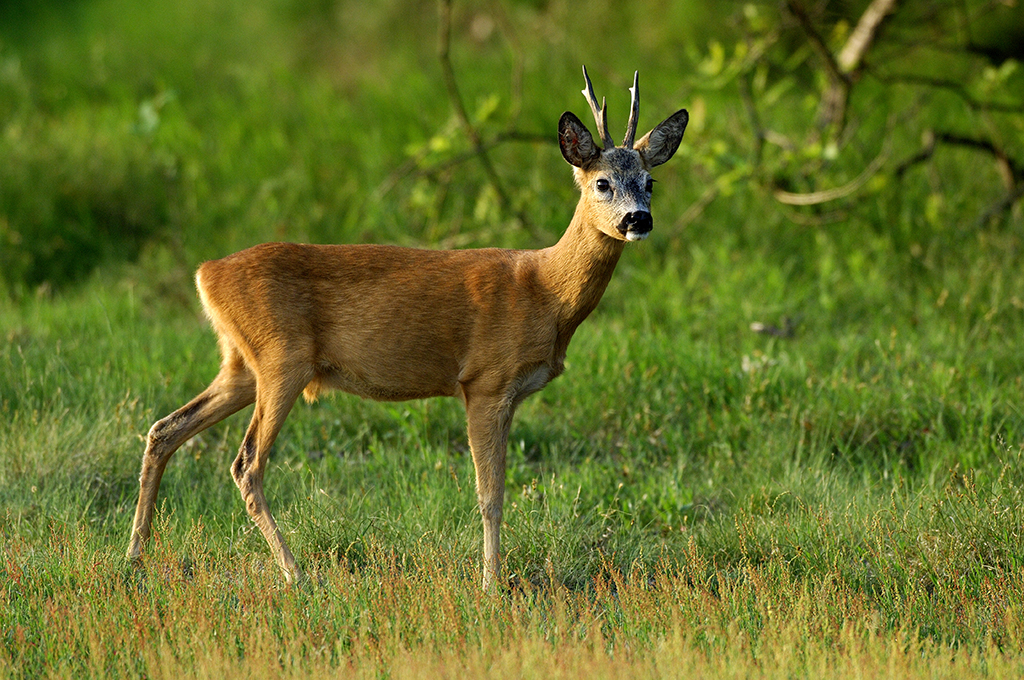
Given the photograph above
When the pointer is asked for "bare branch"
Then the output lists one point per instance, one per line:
(1011, 171)
(411, 167)
(817, 197)
(954, 86)
(750, 106)
(448, 73)
(921, 156)
(834, 101)
(1002, 205)
(835, 74)
(860, 40)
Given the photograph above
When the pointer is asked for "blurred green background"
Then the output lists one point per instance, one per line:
(148, 137)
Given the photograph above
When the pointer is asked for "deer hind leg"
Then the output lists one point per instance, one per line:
(489, 420)
(234, 388)
(274, 400)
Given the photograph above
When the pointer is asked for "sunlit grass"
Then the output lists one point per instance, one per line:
(72, 612)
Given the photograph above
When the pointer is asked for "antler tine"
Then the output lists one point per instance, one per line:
(634, 111)
(600, 115)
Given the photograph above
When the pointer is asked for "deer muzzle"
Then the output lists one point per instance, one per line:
(635, 226)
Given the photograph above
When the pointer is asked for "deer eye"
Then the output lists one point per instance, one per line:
(650, 185)
(603, 185)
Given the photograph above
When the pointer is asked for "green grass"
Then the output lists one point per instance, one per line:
(860, 514)
(410, 615)
(691, 499)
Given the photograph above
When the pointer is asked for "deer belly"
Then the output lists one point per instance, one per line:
(389, 378)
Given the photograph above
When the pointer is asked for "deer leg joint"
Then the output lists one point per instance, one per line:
(244, 463)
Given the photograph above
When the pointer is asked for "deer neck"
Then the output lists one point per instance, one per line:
(578, 268)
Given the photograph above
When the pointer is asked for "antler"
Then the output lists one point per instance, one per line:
(600, 115)
(634, 111)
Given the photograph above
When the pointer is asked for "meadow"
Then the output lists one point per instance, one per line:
(788, 443)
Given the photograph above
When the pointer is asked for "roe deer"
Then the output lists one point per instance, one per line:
(489, 326)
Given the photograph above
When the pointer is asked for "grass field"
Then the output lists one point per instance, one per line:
(840, 498)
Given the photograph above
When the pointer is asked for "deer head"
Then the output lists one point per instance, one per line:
(615, 181)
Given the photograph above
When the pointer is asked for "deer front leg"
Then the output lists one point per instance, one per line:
(489, 420)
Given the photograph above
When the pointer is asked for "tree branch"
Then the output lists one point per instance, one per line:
(750, 106)
(832, 112)
(411, 167)
(860, 40)
(840, 70)
(817, 197)
(1011, 171)
(956, 87)
(444, 34)
(835, 74)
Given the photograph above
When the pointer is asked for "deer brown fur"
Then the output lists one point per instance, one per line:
(489, 326)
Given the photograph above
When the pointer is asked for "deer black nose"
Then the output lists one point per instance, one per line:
(636, 225)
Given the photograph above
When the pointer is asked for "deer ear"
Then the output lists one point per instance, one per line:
(574, 139)
(660, 144)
